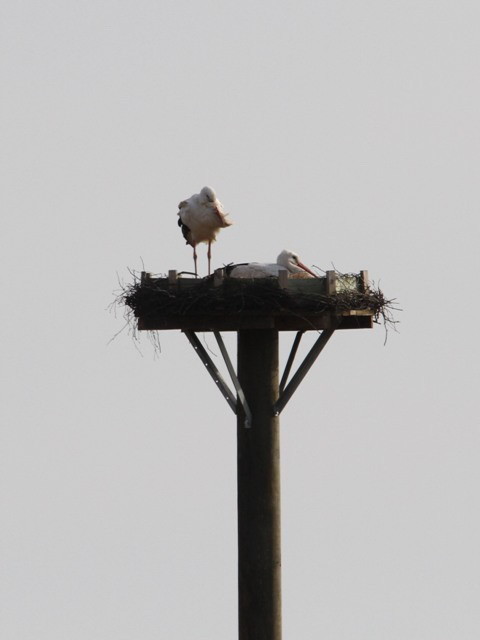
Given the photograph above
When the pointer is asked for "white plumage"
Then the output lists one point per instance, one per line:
(286, 260)
(201, 217)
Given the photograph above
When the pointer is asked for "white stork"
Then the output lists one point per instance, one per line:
(287, 260)
(201, 217)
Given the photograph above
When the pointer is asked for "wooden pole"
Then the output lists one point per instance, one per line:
(258, 473)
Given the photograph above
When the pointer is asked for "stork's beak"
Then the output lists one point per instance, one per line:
(305, 268)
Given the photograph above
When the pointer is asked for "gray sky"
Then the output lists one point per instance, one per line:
(345, 130)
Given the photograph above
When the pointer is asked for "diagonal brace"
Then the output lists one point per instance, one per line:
(302, 370)
(212, 369)
(236, 383)
(290, 360)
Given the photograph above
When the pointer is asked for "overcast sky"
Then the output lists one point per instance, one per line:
(345, 130)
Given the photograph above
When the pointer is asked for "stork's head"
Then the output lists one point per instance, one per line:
(208, 194)
(291, 261)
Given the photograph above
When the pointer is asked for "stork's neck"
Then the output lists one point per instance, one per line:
(286, 262)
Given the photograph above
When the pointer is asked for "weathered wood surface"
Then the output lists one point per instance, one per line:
(258, 474)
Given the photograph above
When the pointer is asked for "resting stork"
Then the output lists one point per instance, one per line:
(201, 217)
(288, 260)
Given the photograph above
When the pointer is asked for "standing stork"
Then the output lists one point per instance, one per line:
(288, 260)
(201, 217)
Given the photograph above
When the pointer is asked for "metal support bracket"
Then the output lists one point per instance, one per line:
(217, 376)
(290, 360)
(286, 390)
(236, 383)
(212, 369)
(302, 370)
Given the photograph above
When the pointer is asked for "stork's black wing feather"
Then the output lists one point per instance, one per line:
(185, 230)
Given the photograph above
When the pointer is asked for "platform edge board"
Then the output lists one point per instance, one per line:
(348, 282)
(235, 323)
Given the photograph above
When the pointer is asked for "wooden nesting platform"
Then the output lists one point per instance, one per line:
(221, 303)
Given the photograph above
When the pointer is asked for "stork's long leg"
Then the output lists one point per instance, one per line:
(195, 258)
(209, 254)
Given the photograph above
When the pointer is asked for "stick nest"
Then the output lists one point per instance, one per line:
(153, 297)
